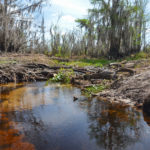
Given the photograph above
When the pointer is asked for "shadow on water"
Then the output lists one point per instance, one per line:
(37, 117)
(146, 118)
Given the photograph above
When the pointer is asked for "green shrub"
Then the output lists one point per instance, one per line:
(63, 76)
(141, 55)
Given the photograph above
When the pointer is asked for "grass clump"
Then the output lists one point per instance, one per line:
(63, 76)
(94, 89)
(6, 62)
(138, 56)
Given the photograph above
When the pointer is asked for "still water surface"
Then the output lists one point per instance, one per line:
(39, 117)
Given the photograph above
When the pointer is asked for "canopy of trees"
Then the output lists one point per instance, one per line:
(113, 28)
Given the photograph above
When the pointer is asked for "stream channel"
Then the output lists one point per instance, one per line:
(34, 116)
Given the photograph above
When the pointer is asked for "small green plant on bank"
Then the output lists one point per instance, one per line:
(63, 76)
(94, 89)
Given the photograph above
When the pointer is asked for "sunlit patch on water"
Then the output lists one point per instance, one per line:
(35, 116)
(27, 97)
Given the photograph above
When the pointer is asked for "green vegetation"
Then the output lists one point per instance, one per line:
(101, 62)
(7, 62)
(63, 76)
(89, 91)
(87, 62)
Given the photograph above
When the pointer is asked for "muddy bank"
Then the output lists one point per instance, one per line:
(132, 90)
(40, 72)
(25, 73)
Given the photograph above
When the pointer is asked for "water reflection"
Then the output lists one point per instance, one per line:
(114, 127)
(10, 138)
(27, 97)
(35, 116)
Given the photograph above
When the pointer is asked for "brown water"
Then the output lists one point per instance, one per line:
(35, 116)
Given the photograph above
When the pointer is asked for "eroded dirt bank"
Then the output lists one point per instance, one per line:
(129, 83)
(26, 72)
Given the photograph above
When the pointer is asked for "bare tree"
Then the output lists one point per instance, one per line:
(16, 23)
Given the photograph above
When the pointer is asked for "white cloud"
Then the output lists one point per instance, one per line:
(66, 11)
(67, 22)
(72, 5)
(68, 18)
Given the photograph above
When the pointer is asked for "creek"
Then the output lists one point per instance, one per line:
(34, 116)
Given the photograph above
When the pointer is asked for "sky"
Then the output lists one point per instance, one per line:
(67, 11)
